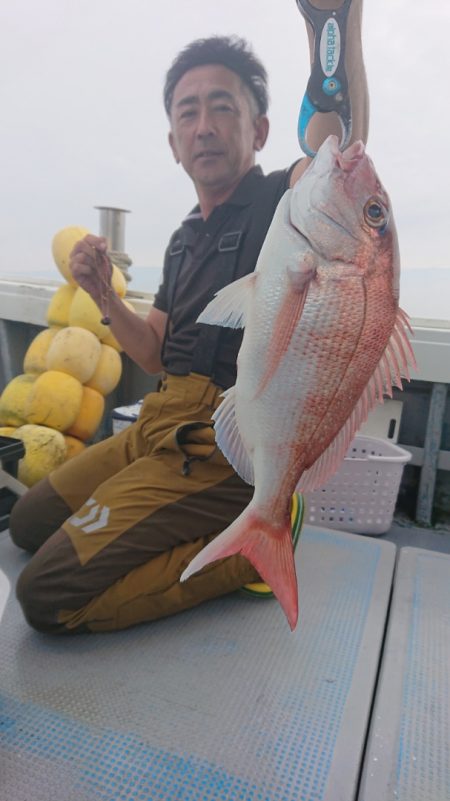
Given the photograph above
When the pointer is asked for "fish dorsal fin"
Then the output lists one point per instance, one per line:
(394, 364)
(229, 439)
(229, 306)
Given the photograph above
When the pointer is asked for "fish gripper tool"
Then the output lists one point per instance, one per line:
(327, 88)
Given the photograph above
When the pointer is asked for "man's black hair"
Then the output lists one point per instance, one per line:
(231, 52)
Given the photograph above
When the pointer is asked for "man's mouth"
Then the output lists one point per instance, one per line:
(206, 154)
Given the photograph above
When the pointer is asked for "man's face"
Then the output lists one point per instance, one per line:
(214, 129)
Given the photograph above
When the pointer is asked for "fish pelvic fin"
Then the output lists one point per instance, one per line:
(299, 278)
(228, 437)
(268, 548)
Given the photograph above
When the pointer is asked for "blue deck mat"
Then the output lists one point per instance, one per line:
(221, 703)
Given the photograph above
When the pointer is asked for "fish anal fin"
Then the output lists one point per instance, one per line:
(400, 344)
(394, 364)
(229, 306)
(229, 439)
(268, 548)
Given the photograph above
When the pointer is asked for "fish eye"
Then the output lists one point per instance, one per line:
(375, 213)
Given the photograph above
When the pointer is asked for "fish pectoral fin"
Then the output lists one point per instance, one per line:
(228, 437)
(301, 273)
(289, 314)
(394, 365)
(229, 306)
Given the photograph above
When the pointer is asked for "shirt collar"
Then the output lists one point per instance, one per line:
(243, 195)
(244, 192)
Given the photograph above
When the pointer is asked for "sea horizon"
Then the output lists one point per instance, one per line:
(424, 292)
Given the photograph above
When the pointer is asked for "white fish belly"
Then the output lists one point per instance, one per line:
(277, 424)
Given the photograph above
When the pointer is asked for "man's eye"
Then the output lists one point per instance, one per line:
(187, 113)
(223, 107)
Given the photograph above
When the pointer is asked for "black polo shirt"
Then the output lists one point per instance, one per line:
(249, 212)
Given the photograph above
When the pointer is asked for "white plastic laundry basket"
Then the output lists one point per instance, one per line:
(361, 496)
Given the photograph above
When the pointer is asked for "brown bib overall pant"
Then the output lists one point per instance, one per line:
(113, 528)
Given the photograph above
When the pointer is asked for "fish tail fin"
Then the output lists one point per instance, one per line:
(268, 548)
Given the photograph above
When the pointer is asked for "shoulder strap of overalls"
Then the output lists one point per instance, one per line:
(180, 249)
(205, 351)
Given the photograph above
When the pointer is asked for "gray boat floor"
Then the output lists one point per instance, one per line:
(407, 754)
(403, 534)
(224, 703)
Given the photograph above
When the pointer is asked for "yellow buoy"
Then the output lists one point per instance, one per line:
(85, 313)
(8, 431)
(108, 338)
(45, 449)
(59, 306)
(14, 400)
(74, 351)
(54, 400)
(74, 446)
(62, 245)
(108, 371)
(90, 415)
(36, 355)
(118, 281)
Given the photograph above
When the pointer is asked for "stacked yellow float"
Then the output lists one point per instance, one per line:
(56, 405)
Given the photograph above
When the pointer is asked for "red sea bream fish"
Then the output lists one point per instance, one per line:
(324, 339)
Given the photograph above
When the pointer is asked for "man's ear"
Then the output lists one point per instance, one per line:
(261, 131)
(173, 147)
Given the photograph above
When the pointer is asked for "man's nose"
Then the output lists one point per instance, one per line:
(205, 125)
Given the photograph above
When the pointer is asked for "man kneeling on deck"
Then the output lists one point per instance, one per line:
(113, 529)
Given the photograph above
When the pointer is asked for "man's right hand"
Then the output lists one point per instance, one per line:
(85, 270)
(141, 339)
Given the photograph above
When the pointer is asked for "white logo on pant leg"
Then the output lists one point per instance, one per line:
(97, 517)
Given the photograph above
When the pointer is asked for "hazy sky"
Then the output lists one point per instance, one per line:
(82, 122)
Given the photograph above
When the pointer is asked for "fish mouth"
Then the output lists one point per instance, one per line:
(354, 151)
(348, 158)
